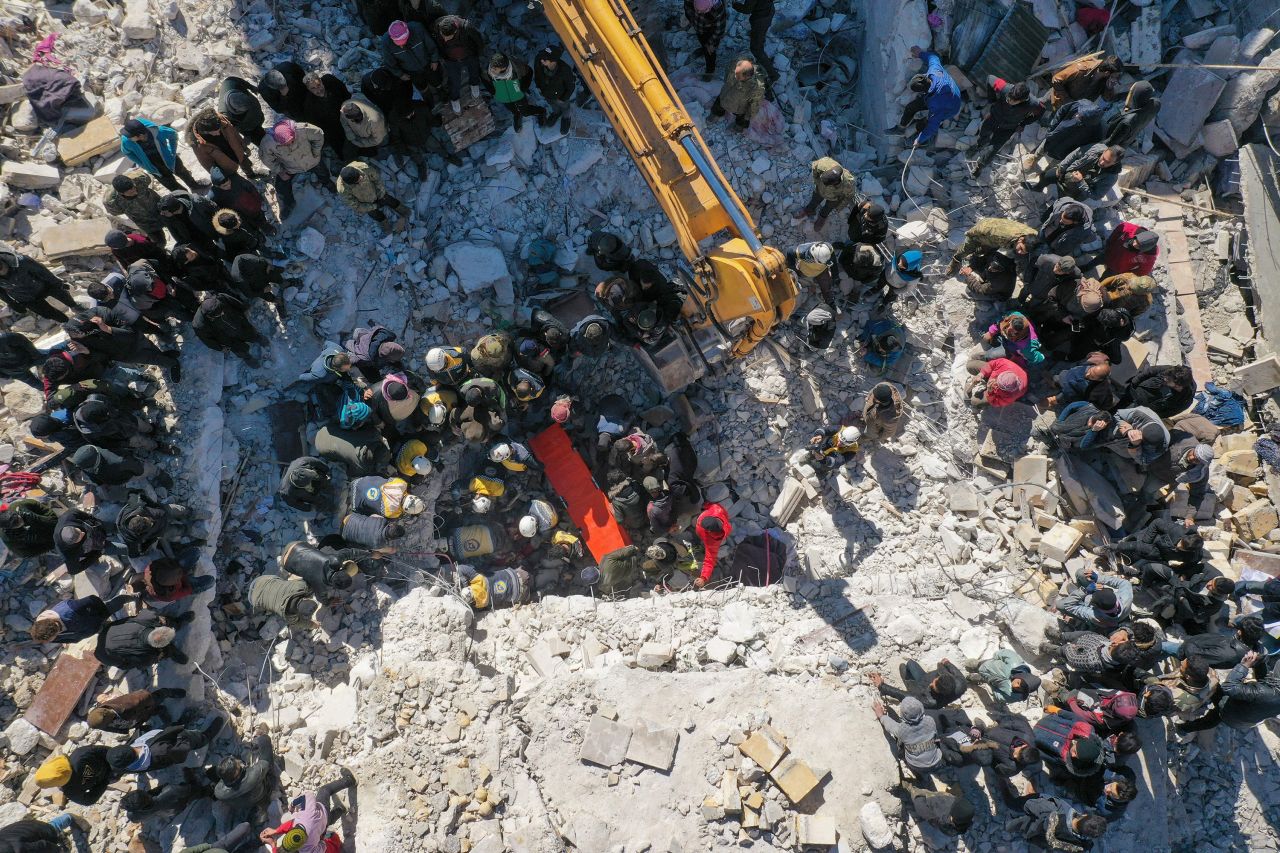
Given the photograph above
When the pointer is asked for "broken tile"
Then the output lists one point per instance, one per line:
(816, 830)
(765, 747)
(795, 778)
(605, 742)
(654, 748)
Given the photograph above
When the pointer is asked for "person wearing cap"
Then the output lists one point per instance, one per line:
(744, 90)
(26, 286)
(993, 233)
(234, 236)
(134, 710)
(813, 262)
(290, 149)
(1054, 823)
(1140, 108)
(228, 190)
(709, 19)
(237, 100)
(138, 642)
(1006, 674)
(947, 811)
(590, 336)
(1131, 248)
(158, 749)
(1044, 275)
(1000, 382)
(74, 619)
(216, 142)
(914, 733)
(1086, 174)
(883, 413)
(222, 324)
(154, 149)
(935, 91)
(760, 17)
(508, 80)
(713, 530)
(834, 186)
(360, 186)
(835, 447)
(868, 223)
(131, 196)
(288, 598)
(1101, 601)
(305, 827)
(555, 80)
(364, 126)
(1088, 78)
(82, 777)
(990, 274)
(1012, 108)
(460, 46)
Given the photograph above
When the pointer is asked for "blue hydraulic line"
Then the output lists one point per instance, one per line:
(709, 174)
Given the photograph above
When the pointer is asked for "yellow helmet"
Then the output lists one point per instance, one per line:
(293, 840)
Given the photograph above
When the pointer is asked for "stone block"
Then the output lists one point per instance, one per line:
(815, 830)
(962, 497)
(78, 237)
(1028, 536)
(738, 623)
(81, 145)
(765, 747)
(721, 651)
(605, 742)
(1262, 561)
(30, 176)
(11, 93)
(795, 778)
(1242, 463)
(654, 655)
(1260, 376)
(480, 267)
(654, 748)
(1256, 520)
(1060, 543)
(1033, 469)
(1204, 38)
(711, 809)
(138, 23)
(1224, 344)
(1242, 98)
(193, 94)
(1187, 101)
(730, 799)
(22, 401)
(788, 501)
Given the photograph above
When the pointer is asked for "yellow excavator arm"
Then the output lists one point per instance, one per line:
(738, 278)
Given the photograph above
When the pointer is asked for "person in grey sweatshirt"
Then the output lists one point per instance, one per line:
(915, 734)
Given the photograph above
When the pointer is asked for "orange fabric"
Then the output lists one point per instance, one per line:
(588, 506)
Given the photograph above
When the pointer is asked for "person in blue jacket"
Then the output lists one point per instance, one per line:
(935, 91)
(154, 149)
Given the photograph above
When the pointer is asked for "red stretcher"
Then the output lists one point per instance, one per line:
(588, 506)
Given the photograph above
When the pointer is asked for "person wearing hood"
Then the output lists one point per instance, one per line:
(238, 102)
(138, 642)
(393, 400)
(1167, 390)
(937, 92)
(1079, 124)
(360, 186)
(950, 813)
(154, 149)
(555, 80)
(19, 359)
(868, 224)
(863, 263)
(1067, 228)
(145, 523)
(915, 735)
(189, 219)
(744, 91)
(245, 789)
(993, 234)
(230, 191)
(364, 127)
(508, 80)
(1000, 382)
(1103, 330)
(1086, 174)
(222, 324)
(29, 835)
(82, 777)
(132, 196)
(322, 569)
(307, 484)
(235, 237)
(1007, 675)
(354, 441)
(1012, 109)
(283, 90)
(934, 690)
(289, 149)
(899, 279)
(883, 413)
(372, 532)
(196, 269)
(216, 142)
(709, 19)
(374, 351)
(409, 53)
(1140, 108)
(26, 527)
(1044, 276)
(26, 286)
(1131, 248)
(713, 530)
(129, 247)
(156, 299)
(1089, 78)
(126, 712)
(1102, 602)
(460, 46)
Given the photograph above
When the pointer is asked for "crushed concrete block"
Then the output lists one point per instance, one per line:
(788, 501)
(738, 623)
(138, 23)
(22, 401)
(875, 827)
(711, 809)
(962, 497)
(750, 818)
(1028, 536)
(795, 778)
(654, 748)
(730, 799)
(480, 267)
(76, 237)
(1260, 376)
(815, 830)
(1187, 101)
(721, 651)
(1060, 543)
(1256, 520)
(654, 655)
(1243, 96)
(194, 94)
(1243, 463)
(957, 548)
(1228, 346)
(1204, 38)
(91, 140)
(605, 742)
(1034, 469)
(30, 176)
(765, 747)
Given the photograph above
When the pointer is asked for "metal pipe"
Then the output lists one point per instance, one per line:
(722, 194)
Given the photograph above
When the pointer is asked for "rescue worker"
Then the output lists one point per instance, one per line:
(937, 92)
(360, 186)
(834, 186)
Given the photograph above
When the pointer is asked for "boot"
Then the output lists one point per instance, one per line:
(457, 107)
(564, 124)
(546, 120)
(475, 92)
(517, 122)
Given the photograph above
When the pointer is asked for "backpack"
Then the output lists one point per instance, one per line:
(628, 504)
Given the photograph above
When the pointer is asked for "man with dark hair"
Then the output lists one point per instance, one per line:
(236, 101)
(460, 46)
(556, 80)
(169, 798)
(713, 528)
(508, 80)
(1174, 543)
(154, 148)
(132, 196)
(1222, 651)
(248, 788)
(1091, 654)
(161, 748)
(935, 689)
(26, 527)
(1008, 676)
(1085, 174)
(937, 92)
(1012, 108)
(1086, 79)
(360, 186)
(1166, 390)
(1192, 687)
(949, 812)
(1055, 823)
(124, 713)
(1070, 746)
(1100, 601)
(222, 324)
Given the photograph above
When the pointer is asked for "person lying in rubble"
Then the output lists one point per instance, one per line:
(290, 599)
(1087, 174)
(935, 689)
(307, 485)
(1090, 382)
(146, 802)
(138, 642)
(1173, 543)
(1007, 748)
(134, 710)
(1054, 823)
(1007, 676)
(1165, 390)
(1136, 434)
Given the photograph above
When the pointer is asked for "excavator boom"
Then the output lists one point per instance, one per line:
(736, 279)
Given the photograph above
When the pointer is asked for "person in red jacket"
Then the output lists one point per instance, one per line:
(1131, 248)
(999, 382)
(713, 529)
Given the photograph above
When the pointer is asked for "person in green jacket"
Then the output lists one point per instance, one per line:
(1008, 676)
(992, 234)
(360, 185)
(742, 93)
(834, 186)
(508, 80)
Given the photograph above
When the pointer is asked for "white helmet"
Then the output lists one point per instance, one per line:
(528, 527)
(412, 505)
(500, 452)
(850, 434)
(481, 504)
(422, 465)
(437, 359)
(437, 413)
(821, 253)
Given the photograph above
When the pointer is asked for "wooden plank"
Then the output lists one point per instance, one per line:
(63, 687)
(474, 123)
(1183, 276)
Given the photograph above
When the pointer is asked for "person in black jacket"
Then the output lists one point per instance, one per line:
(1140, 109)
(1166, 390)
(1055, 823)
(161, 748)
(508, 80)
(868, 223)
(1224, 651)
(1174, 543)
(189, 219)
(35, 836)
(556, 81)
(82, 776)
(760, 15)
(248, 788)
(197, 269)
(324, 95)
(935, 689)
(237, 101)
(222, 323)
(413, 126)
(26, 527)
(1012, 108)
(949, 812)
(460, 46)
(307, 484)
(19, 358)
(145, 524)
(1074, 125)
(103, 467)
(80, 540)
(169, 798)
(1086, 173)
(283, 90)
(137, 642)
(256, 277)
(26, 286)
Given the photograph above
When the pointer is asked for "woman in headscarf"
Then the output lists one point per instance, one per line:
(1015, 333)
(1140, 108)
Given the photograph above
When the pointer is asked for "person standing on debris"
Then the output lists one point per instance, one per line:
(74, 619)
(230, 191)
(883, 413)
(222, 324)
(509, 80)
(1077, 125)
(26, 527)
(169, 798)
(129, 247)
(243, 788)
(992, 234)
(132, 196)
(1067, 227)
(412, 125)
(1087, 79)
(460, 46)
(935, 689)
(760, 15)
(916, 735)
(1012, 109)
(216, 142)
(364, 126)
(19, 358)
(26, 286)
(1000, 382)
(189, 218)
(126, 712)
(291, 149)
(744, 90)
(1086, 173)
(1130, 248)
(137, 642)
(834, 186)
(1007, 675)
(556, 81)
(360, 186)
(936, 91)
(322, 100)
(237, 101)
(830, 448)
(154, 149)
(305, 828)
(813, 262)
(1140, 108)
(282, 89)
(709, 19)
(713, 529)
(868, 223)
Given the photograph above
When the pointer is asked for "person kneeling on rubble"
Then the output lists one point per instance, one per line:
(323, 569)
(833, 448)
(389, 498)
(290, 599)
(501, 588)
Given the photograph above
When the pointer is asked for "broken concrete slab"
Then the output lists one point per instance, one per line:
(654, 655)
(765, 747)
(1204, 38)
(1032, 469)
(30, 176)
(730, 798)
(1256, 520)
(605, 742)
(1220, 138)
(1260, 376)
(1241, 99)
(81, 145)
(815, 830)
(11, 93)
(795, 778)
(962, 497)
(1060, 542)
(654, 748)
(721, 651)
(1187, 102)
(76, 238)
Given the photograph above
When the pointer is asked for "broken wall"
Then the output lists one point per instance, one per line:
(892, 28)
(1261, 189)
